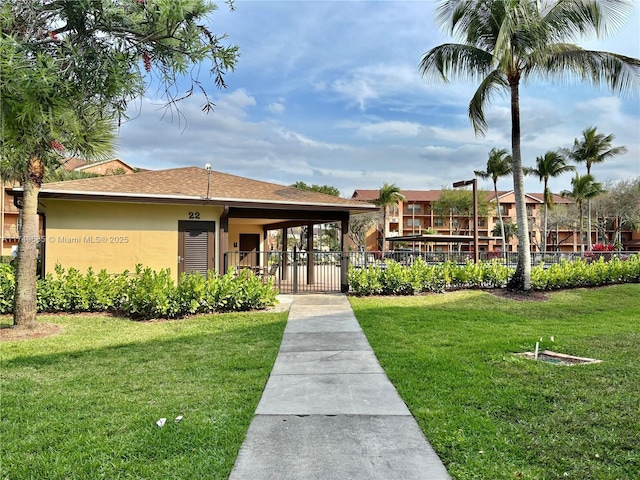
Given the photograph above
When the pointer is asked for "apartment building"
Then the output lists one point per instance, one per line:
(416, 214)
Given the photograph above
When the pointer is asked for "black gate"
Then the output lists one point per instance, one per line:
(293, 271)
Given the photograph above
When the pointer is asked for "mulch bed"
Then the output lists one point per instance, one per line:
(10, 333)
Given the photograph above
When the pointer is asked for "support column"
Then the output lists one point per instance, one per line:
(223, 241)
(283, 260)
(344, 264)
(310, 257)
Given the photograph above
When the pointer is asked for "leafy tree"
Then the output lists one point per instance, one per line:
(583, 189)
(506, 41)
(618, 209)
(359, 225)
(562, 217)
(388, 195)
(70, 69)
(551, 164)
(592, 148)
(327, 189)
(499, 164)
(457, 204)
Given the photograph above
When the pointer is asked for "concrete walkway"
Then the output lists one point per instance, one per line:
(328, 411)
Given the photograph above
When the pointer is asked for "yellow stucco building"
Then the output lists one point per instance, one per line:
(184, 219)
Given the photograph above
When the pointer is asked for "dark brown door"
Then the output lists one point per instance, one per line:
(249, 249)
(195, 246)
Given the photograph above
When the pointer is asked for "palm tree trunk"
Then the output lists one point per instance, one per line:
(384, 227)
(504, 243)
(521, 280)
(581, 227)
(544, 238)
(25, 300)
(589, 243)
(545, 196)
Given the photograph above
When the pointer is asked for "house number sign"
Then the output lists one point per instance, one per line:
(194, 215)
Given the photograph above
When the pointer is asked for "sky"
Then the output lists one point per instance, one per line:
(329, 93)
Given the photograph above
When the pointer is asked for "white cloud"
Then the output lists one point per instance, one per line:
(330, 93)
(276, 108)
(388, 129)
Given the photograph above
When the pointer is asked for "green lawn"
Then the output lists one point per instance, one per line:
(491, 415)
(84, 404)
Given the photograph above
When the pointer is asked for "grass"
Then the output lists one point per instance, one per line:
(492, 415)
(84, 403)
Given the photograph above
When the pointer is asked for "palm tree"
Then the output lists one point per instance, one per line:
(593, 148)
(552, 164)
(97, 141)
(505, 41)
(584, 189)
(388, 195)
(510, 230)
(499, 164)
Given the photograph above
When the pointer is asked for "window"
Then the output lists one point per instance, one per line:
(393, 210)
(481, 222)
(438, 222)
(504, 211)
(414, 222)
(413, 208)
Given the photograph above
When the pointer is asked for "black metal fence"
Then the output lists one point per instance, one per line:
(301, 272)
(292, 271)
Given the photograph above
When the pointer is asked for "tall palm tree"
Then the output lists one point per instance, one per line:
(505, 41)
(551, 164)
(499, 164)
(388, 195)
(592, 148)
(583, 189)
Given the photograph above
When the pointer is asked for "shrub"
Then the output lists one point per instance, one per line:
(397, 279)
(145, 294)
(7, 287)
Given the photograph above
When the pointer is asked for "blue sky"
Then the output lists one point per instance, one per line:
(328, 92)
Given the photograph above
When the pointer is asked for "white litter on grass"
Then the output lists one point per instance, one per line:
(161, 422)
(179, 418)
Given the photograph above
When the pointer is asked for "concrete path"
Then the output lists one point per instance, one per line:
(328, 411)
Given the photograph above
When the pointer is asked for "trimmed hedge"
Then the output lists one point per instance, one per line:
(397, 279)
(143, 294)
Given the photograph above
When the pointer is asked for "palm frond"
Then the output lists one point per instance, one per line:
(569, 63)
(574, 19)
(455, 61)
(495, 82)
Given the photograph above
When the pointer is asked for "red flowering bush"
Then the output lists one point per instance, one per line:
(600, 247)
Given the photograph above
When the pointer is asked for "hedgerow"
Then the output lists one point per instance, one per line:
(397, 279)
(143, 294)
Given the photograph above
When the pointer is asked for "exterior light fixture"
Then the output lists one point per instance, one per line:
(207, 167)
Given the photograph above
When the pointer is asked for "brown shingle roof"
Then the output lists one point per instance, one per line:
(190, 183)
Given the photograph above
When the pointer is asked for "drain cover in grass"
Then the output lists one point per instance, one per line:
(558, 358)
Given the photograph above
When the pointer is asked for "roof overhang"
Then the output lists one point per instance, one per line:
(352, 207)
